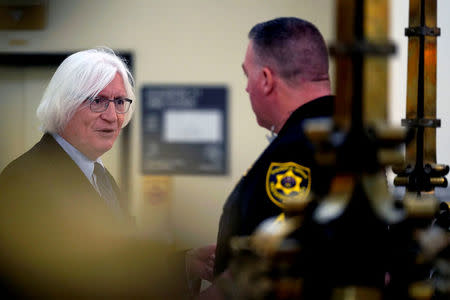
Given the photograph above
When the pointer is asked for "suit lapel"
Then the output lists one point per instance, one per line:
(72, 179)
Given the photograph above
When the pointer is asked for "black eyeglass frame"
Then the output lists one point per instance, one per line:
(107, 101)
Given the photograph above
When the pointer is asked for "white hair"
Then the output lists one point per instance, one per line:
(80, 76)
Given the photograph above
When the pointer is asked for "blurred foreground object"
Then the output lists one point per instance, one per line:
(418, 247)
(66, 251)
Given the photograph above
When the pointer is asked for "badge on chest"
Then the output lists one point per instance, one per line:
(287, 180)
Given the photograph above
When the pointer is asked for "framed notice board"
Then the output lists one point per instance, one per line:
(184, 129)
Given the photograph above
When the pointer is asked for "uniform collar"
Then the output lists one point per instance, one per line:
(320, 107)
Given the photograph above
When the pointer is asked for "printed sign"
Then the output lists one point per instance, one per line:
(184, 129)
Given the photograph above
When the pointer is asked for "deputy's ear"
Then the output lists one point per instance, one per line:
(268, 80)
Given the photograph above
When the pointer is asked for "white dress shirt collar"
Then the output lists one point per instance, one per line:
(85, 164)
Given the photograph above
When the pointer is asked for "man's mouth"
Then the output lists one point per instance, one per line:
(105, 130)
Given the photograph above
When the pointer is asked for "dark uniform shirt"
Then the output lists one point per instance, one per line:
(284, 170)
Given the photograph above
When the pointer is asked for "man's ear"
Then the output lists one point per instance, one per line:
(268, 80)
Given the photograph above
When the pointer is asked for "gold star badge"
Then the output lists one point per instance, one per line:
(287, 180)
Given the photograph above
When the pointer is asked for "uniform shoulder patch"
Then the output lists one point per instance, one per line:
(287, 180)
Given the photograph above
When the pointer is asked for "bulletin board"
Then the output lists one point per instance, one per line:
(184, 129)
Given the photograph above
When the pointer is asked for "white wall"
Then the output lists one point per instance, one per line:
(443, 83)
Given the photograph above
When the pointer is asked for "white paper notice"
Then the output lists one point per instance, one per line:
(192, 126)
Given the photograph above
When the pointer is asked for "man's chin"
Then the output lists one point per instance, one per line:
(103, 144)
(263, 124)
(107, 134)
(103, 148)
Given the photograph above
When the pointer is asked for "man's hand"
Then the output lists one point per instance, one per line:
(200, 262)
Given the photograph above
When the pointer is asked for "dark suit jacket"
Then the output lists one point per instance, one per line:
(47, 172)
(59, 239)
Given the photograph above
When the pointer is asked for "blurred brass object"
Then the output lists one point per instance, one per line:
(385, 132)
(288, 288)
(424, 206)
(376, 24)
(437, 181)
(297, 206)
(326, 158)
(269, 235)
(422, 36)
(331, 207)
(375, 69)
(318, 130)
(422, 290)
(248, 272)
(401, 168)
(255, 259)
(429, 75)
(240, 243)
(432, 241)
(442, 284)
(440, 168)
(361, 61)
(390, 157)
(380, 198)
(356, 293)
(401, 181)
(343, 183)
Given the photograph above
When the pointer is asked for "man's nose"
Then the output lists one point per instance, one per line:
(110, 113)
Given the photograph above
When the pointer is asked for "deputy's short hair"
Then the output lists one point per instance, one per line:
(292, 47)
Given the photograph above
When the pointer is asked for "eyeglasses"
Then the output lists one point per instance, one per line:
(100, 104)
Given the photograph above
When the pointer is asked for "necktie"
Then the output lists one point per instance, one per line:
(105, 188)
